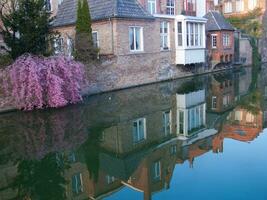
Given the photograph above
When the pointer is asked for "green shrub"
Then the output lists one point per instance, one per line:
(5, 60)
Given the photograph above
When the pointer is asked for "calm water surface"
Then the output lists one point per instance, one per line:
(196, 138)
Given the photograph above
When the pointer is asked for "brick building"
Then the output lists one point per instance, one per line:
(220, 39)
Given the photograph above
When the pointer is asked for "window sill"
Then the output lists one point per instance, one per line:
(136, 52)
(165, 50)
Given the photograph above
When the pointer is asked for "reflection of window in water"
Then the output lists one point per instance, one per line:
(110, 179)
(139, 130)
(226, 100)
(250, 118)
(238, 115)
(181, 122)
(157, 170)
(195, 117)
(72, 157)
(173, 149)
(77, 184)
(214, 102)
(167, 122)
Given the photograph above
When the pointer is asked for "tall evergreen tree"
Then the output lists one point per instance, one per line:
(85, 50)
(27, 28)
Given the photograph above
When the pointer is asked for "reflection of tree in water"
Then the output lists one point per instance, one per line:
(90, 152)
(41, 179)
(35, 134)
(190, 86)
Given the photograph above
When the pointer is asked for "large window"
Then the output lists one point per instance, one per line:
(152, 7)
(228, 7)
(239, 5)
(77, 184)
(70, 47)
(180, 33)
(139, 130)
(195, 118)
(226, 39)
(136, 38)
(164, 35)
(194, 34)
(166, 122)
(252, 4)
(170, 7)
(214, 41)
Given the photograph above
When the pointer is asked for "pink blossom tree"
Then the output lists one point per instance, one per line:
(38, 82)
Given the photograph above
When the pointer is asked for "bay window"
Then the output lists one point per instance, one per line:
(164, 35)
(194, 34)
(136, 38)
(152, 7)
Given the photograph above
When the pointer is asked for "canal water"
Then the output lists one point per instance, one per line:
(194, 138)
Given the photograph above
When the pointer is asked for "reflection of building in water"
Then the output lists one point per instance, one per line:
(242, 125)
(191, 112)
(222, 94)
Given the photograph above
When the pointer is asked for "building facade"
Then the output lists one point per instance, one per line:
(172, 30)
(220, 39)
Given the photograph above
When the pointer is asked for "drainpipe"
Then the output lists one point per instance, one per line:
(112, 35)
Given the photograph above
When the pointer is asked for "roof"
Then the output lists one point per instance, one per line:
(99, 10)
(217, 22)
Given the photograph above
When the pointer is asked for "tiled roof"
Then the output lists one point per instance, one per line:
(217, 22)
(100, 9)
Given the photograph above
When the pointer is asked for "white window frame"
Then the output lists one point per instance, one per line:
(228, 7)
(163, 35)
(194, 36)
(58, 46)
(226, 40)
(141, 39)
(139, 139)
(170, 9)
(214, 41)
(239, 5)
(150, 4)
(97, 36)
(252, 4)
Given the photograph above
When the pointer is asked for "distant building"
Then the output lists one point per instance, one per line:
(241, 7)
(220, 39)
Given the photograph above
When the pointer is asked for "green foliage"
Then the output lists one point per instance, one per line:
(85, 50)
(249, 23)
(5, 60)
(27, 28)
